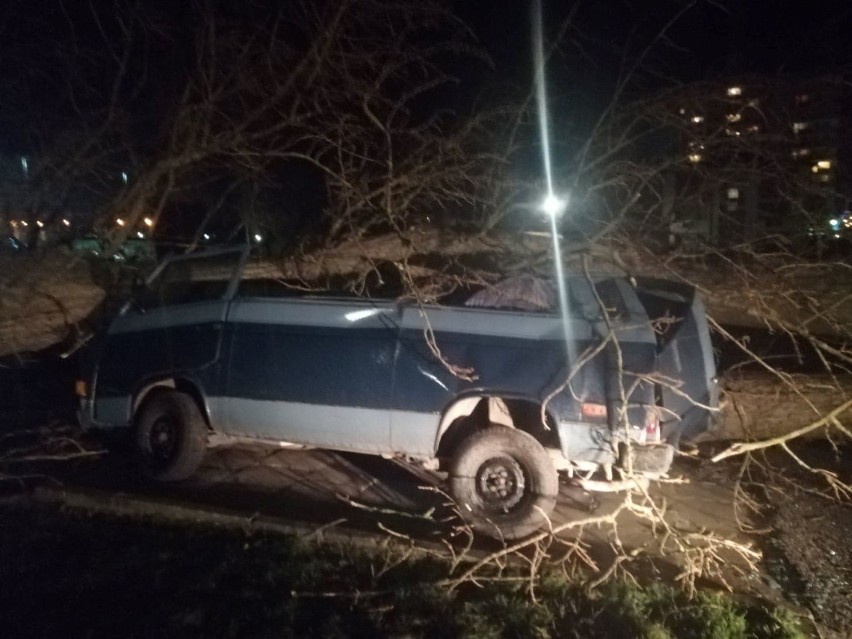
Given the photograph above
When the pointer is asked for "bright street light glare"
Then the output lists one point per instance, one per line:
(553, 205)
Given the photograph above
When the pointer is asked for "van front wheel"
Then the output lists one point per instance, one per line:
(503, 482)
(170, 437)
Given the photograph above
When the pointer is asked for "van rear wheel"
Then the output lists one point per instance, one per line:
(170, 436)
(504, 482)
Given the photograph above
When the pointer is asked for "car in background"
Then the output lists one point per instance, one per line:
(11, 244)
(133, 250)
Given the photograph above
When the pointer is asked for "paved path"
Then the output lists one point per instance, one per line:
(315, 489)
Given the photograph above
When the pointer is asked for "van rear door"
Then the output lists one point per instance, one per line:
(686, 363)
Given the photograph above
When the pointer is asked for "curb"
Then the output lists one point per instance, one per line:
(135, 507)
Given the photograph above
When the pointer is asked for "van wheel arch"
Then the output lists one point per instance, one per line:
(164, 385)
(470, 414)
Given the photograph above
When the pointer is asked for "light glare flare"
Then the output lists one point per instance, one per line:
(356, 316)
(553, 205)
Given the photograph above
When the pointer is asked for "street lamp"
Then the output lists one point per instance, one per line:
(553, 205)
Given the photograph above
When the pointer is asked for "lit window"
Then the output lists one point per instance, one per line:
(732, 91)
(814, 169)
(799, 126)
(682, 111)
(695, 158)
(697, 119)
(733, 193)
(734, 117)
(124, 176)
(40, 224)
(824, 178)
(753, 129)
(824, 164)
(119, 221)
(801, 153)
(25, 166)
(66, 222)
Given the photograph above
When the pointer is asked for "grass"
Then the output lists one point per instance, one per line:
(67, 575)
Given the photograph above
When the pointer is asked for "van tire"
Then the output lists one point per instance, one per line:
(170, 436)
(504, 482)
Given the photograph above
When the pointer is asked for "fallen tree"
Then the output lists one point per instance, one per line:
(48, 299)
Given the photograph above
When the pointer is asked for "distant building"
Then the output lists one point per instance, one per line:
(761, 157)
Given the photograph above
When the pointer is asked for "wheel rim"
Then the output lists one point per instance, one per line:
(163, 439)
(500, 483)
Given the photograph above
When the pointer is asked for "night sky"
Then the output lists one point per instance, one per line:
(710, 39)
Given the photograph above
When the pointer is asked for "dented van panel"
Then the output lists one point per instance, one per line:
(382, 376)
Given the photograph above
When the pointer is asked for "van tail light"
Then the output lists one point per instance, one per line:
(652, 426)
(590, 410)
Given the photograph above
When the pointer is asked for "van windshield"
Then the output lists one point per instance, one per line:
(186, 280)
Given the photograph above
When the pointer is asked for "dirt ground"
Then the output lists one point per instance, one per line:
(802, 528)
(809, 548)
(802, 533)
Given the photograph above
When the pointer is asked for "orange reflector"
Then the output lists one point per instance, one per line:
(80, 388)
(593, 410)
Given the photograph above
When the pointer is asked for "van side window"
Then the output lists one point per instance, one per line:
(613, 302)
(610, 297)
